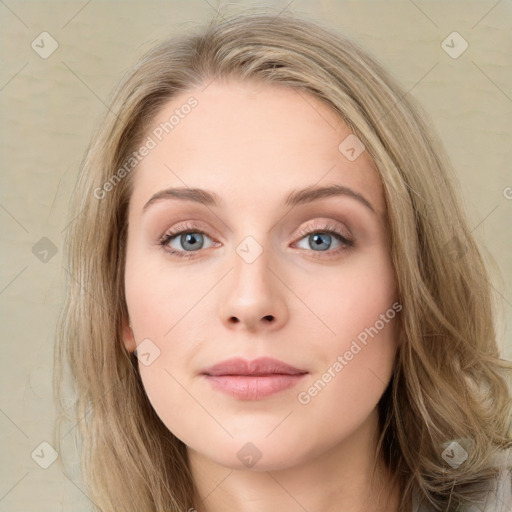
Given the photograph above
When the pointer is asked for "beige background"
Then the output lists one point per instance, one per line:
(49, 108)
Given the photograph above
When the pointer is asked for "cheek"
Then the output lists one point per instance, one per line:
(161, 308)
(156, 298)
(346, 392)
(356, 351)
(352, 299)
(355, 363)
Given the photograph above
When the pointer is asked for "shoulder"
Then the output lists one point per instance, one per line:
(501, 499)
(498, 500)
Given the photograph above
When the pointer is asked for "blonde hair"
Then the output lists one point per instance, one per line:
(449, 383)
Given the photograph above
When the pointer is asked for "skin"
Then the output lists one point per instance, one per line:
(251, 144)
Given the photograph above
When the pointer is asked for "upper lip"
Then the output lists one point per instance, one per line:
(260, 366)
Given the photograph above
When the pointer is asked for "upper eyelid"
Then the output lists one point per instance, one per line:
(327, 225)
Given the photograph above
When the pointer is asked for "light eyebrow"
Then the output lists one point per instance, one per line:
(185, 194)
(312, 193)
(294, 198)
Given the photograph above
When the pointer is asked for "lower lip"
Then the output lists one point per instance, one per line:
(253, 387)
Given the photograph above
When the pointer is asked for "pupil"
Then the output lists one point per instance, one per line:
(190, 238)
(318, 239)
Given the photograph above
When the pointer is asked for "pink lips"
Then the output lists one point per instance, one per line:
(252, 380)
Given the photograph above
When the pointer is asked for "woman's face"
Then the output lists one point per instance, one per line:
(286, 257)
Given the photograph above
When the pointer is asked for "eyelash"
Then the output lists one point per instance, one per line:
(330, 229)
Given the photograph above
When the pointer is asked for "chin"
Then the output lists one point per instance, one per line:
(258, 455)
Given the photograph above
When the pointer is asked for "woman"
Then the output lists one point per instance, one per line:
(276, 302)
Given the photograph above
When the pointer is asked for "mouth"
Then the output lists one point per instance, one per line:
(252, 380)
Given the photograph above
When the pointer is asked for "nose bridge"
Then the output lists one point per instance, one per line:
(251, 269)
(254, 297)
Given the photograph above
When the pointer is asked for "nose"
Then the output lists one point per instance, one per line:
(255, 297)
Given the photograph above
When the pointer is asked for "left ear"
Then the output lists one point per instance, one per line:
(128, 337)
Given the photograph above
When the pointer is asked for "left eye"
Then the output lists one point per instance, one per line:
(190, 241)
(322, 240)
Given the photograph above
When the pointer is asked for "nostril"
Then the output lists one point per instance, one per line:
(269, 318)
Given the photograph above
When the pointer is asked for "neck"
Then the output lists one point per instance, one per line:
(341, 478)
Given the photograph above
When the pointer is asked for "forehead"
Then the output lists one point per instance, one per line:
(250, 142)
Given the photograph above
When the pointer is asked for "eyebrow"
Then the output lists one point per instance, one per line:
(294, 198)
